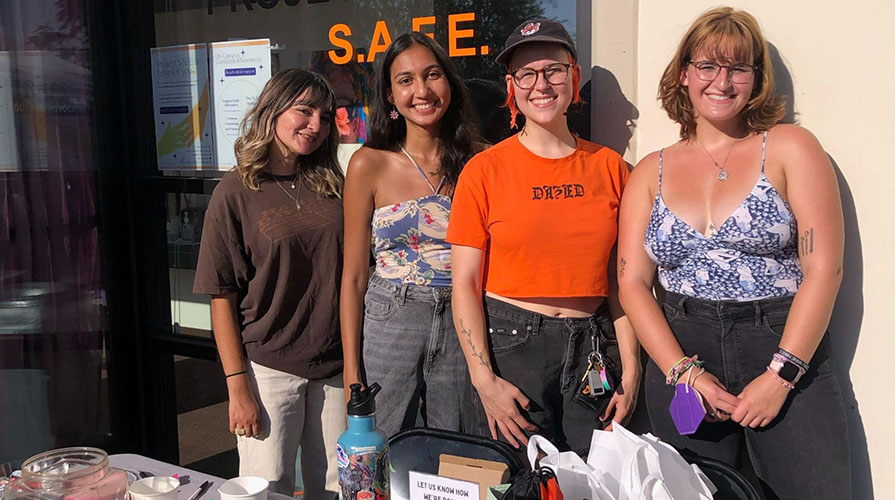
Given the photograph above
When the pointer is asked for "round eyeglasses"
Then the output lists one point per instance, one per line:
(554, 73)
(707, 71)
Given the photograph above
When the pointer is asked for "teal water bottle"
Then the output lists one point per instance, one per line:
(362, 450)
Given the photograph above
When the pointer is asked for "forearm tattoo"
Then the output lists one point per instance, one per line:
(621, 269)
(475, 352)
(807, 242)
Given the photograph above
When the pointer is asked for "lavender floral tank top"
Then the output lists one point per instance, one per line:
(751, 256)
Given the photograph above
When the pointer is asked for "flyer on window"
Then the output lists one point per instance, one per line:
(180, 97)
(239, 70)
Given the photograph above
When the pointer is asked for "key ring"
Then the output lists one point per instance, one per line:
(595, 358)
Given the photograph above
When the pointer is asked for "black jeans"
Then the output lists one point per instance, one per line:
(804, 452)
(545, 357)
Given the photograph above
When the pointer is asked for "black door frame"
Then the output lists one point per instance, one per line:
(132, 196)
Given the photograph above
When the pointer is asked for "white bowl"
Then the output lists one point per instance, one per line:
(244, 488)
(154, 488)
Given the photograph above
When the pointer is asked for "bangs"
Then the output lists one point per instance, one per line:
(316, 95)
(727, 42)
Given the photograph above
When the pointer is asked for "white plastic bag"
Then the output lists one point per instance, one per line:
(576, 479)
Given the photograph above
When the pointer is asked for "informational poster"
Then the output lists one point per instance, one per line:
(239, 70)
(181, 100)
(9, 151)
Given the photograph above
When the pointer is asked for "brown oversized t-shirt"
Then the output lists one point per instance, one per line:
(285, 265)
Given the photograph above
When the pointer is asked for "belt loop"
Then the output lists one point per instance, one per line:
(758, 313)
(682, 305)
(401, 295)
(534, 324)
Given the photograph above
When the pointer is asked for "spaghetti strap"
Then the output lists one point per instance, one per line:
(764, 142)
(661, 155)
(426, 177)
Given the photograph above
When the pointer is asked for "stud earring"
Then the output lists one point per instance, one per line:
(393, 114)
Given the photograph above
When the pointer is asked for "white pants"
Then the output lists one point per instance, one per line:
(295, 412)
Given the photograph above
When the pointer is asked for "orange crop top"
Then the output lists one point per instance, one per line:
(547, 225)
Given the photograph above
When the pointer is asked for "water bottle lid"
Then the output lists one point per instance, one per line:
(363, 399)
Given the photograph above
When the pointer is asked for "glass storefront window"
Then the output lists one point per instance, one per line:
(343, 40)
(53, 319)
(190, 313)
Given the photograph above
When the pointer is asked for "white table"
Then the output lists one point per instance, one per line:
(135, 463)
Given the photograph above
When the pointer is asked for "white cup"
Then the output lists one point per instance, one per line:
(244, 488)
(154, 488)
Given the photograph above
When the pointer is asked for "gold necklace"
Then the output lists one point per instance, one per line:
(722, 174)
(297, 193)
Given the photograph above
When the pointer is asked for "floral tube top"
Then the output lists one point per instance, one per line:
(408, 241)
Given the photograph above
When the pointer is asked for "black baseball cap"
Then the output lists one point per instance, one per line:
(536, 30)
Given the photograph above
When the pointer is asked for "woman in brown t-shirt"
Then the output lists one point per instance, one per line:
(271, 258)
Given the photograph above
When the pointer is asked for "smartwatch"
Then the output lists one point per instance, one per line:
(786, 369)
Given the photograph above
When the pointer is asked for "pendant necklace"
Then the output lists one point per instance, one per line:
(294, 184)
(722, 174)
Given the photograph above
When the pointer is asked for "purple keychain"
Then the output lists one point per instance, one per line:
(686, 408)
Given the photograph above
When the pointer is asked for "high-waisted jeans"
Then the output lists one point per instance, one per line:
(411, 348)
(804, 452)
(545, 357)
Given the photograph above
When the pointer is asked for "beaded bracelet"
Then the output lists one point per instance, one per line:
(681, 367)
(792, 357)
(779, 379)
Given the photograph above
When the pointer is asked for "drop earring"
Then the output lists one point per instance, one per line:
(393, 114)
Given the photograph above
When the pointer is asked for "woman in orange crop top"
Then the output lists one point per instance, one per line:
(533, 226)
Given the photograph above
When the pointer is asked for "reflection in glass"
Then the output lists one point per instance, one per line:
(190, 313)
(53, 383)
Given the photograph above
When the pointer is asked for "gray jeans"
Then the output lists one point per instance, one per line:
(411, 348)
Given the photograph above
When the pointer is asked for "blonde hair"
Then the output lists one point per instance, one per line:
(321, 168)
(724, 33)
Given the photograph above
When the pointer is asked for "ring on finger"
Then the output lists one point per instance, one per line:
(239, 431)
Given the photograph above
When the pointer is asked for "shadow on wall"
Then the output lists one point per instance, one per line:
(848, 312)
(605, 104)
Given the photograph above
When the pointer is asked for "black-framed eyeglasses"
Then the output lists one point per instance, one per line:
(554, 73)
(707, 71)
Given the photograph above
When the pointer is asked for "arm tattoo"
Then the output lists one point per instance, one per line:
(468, 333)
(807, 242)
(621, 270)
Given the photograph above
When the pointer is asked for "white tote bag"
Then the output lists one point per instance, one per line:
(648, 469)
(576, 479)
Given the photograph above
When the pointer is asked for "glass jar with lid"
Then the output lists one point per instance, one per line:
(78, 473)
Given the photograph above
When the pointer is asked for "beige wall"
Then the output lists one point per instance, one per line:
(835, 63)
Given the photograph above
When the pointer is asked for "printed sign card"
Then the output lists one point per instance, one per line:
(181, 102)
(432, 487)
(239, 71)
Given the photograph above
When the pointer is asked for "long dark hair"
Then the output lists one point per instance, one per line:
(457, 134)
(258, 129)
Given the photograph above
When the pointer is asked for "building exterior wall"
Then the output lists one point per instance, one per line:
(832, 62)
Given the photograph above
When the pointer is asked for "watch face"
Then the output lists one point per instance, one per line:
(789, 371)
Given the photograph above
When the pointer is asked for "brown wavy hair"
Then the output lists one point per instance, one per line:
(726, 34)
(321, 168)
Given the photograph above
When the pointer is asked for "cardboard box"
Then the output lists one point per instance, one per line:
(484, 472)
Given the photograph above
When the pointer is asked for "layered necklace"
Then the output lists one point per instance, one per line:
(722, 174)
(295, 183)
